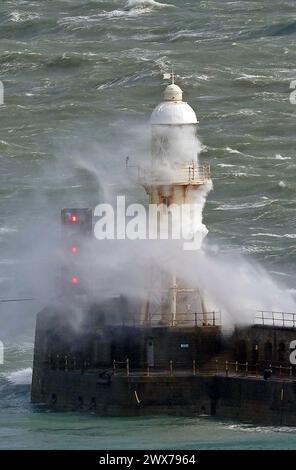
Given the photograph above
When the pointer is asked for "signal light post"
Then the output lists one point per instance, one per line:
(76, 227)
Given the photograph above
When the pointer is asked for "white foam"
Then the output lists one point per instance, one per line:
(225, 165)
(280, 157)
(147, 3)
(20, 377)
(246, 76)
(73, 23)
(237, 152)
(260, 429)
(274, 235)
(248, 112)
(21, 17)
(241, 173)
(230, 150)
(228, 207)
(248, 428)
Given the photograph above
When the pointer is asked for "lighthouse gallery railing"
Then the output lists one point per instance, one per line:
(178, 174)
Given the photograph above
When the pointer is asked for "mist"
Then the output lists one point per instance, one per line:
(235, 285)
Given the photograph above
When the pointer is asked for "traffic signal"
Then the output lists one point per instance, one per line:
(76, 228)
(77, 221)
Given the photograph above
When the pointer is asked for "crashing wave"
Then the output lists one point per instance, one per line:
(20, 376)
(147, 4)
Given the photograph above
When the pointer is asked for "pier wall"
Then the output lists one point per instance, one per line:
(253, 400)
(74, 370)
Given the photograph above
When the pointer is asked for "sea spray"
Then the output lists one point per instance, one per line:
(237, 286)
(20, 376)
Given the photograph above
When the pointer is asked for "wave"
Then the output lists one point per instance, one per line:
(280, 157)
(225, 165)
(281, 29)
(19, 377)
(237, 152)
(30, 24)
(76, 23)
(247, 155)
(246, 76)
(22, 17)
(123, 82)
(131, 9)
(255, 205)
(243, 174)
(231, 150)
(66, 60)
(147, 3)
(261, 429)
(274, 235)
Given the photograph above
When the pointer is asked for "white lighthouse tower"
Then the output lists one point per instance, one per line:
(175, 177)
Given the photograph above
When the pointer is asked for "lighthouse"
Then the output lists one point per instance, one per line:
(175, 177)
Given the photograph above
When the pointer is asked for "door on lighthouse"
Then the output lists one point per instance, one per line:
(150, 352)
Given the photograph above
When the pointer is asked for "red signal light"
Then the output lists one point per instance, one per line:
(74, 249)
(76, 220)
(74, 280)
(73, 218)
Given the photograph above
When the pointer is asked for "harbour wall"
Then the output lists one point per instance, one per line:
(247, 399)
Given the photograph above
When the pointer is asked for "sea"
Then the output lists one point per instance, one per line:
(80, 80)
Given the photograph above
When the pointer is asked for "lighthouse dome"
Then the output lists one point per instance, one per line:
(173, 111)
(173, 93)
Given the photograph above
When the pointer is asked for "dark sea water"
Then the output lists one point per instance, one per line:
(81, 79)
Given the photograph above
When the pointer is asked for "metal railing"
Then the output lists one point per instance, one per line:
(161, 369)
(274, 318)
(68, 363)
(227, 368)
(180, 174)
(185, 319)
(198, 318)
